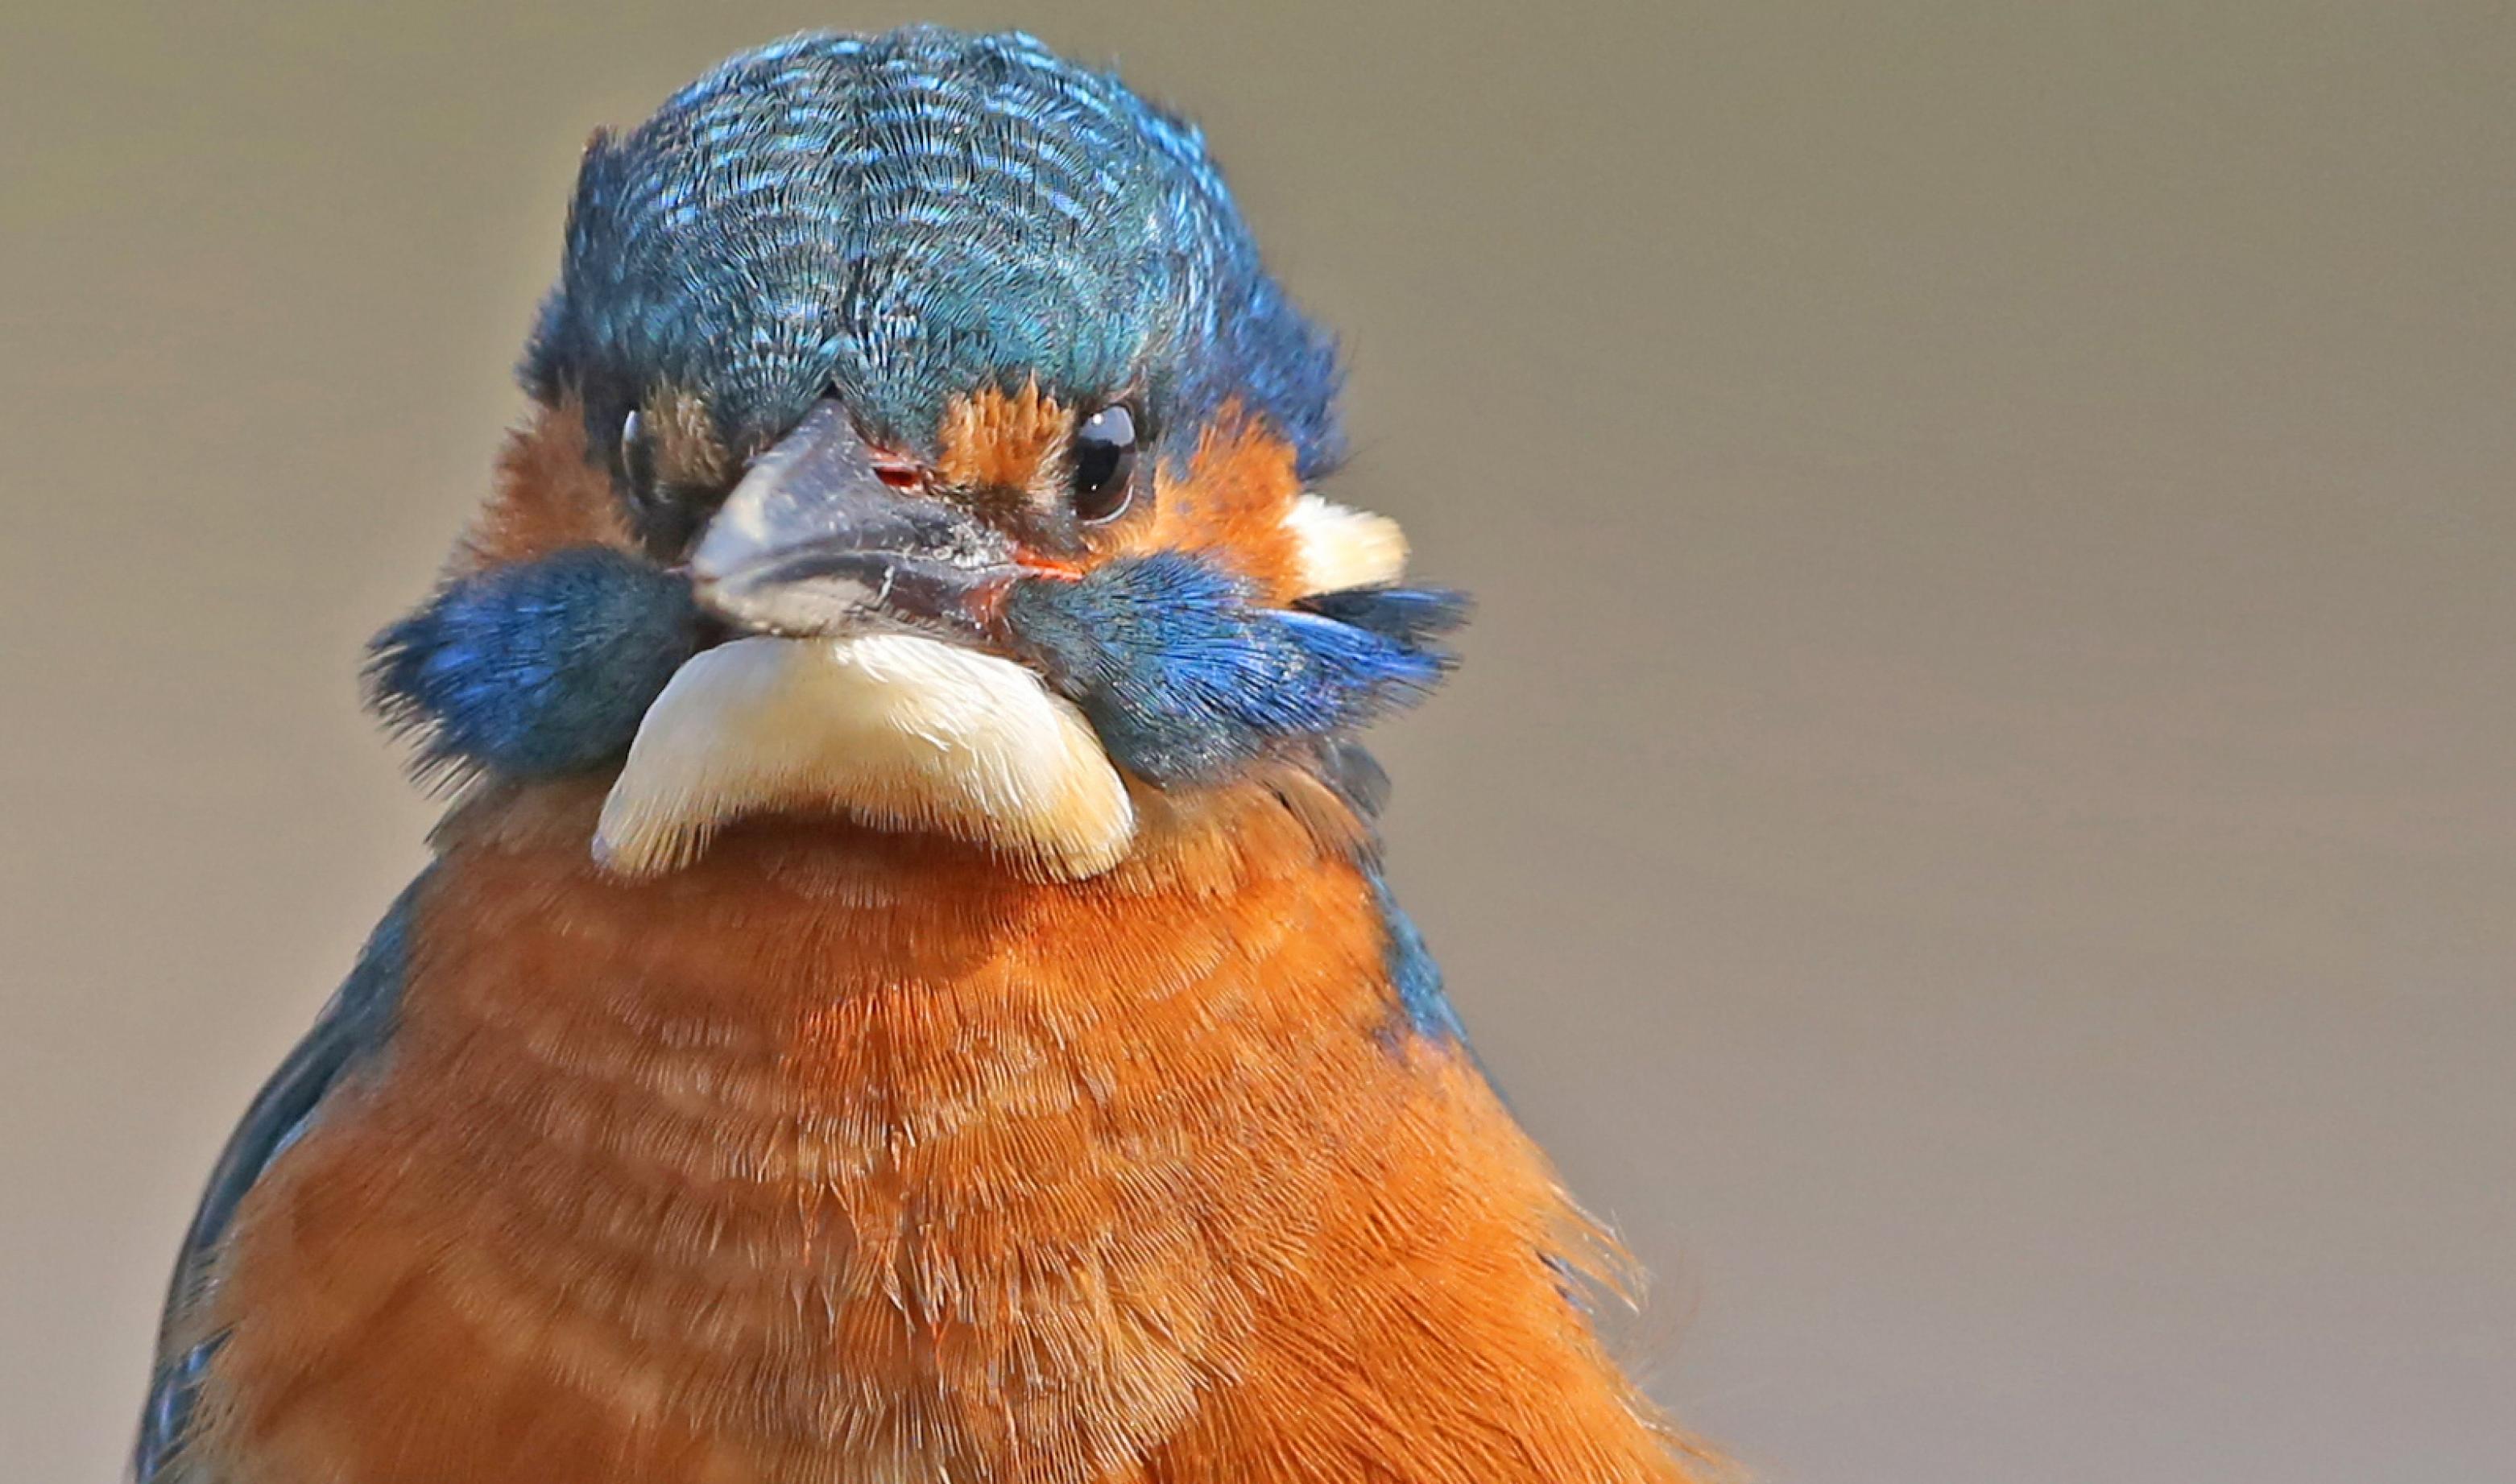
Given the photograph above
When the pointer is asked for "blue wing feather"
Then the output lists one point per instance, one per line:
(353, 1025)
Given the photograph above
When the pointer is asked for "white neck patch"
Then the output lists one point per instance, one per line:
(894, 731)
(1336, 546)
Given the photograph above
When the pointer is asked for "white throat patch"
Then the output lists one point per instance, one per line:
(894, 731)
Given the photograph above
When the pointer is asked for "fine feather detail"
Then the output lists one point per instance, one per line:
(1154, 1157)
(1187, 681)
(894, 731)
(534, 669)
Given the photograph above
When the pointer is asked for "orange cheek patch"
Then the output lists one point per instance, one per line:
(550, 495)
(995, 440)
(1241, 484)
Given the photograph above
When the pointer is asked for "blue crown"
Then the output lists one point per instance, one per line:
(909, 217)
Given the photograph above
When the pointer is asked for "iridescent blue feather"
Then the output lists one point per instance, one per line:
(905, 218)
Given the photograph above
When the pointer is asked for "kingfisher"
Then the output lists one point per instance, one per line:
(905, 989)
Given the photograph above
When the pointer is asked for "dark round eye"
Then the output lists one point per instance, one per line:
(664, 518)
(637, 459)
(1104, 477)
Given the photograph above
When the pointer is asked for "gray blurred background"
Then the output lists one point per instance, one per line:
(1978, 821)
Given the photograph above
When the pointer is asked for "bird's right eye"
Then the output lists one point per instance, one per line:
(660, 511)
(637, 458)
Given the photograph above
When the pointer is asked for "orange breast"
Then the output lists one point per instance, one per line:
(842, 1155)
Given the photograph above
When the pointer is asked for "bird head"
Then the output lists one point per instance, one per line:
(918, 436)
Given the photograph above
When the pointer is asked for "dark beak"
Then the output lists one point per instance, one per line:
(815, 540)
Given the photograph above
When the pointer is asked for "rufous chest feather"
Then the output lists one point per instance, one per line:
(832, 1137)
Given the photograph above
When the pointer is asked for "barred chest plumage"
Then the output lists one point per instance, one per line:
(838, 1155)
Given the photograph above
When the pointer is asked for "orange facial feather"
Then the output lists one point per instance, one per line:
(995, 440)
(843, 1155)
(1230, 503)
(550, 494)
(1239, 486)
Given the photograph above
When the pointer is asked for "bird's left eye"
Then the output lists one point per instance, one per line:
(1104, 477)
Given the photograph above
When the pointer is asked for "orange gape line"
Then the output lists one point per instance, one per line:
(842, 1155)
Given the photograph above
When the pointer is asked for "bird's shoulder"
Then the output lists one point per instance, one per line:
(351, 1028)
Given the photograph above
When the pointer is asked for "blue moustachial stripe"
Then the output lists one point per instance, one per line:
(542, 667)
(1408, 616)
(1183, 678)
